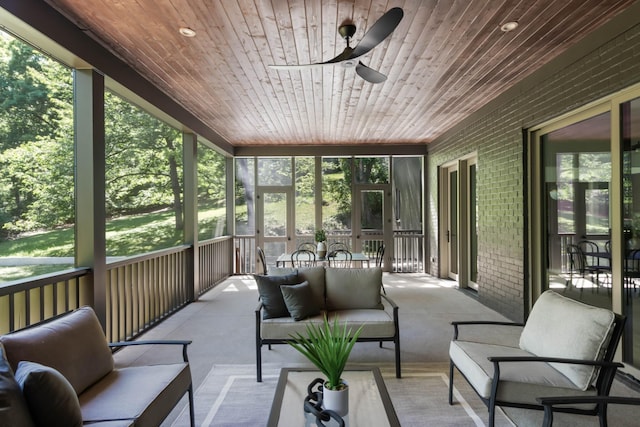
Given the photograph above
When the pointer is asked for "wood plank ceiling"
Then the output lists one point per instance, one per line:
(445, 60)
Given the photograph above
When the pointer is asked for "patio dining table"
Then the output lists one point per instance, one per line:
(363, 259)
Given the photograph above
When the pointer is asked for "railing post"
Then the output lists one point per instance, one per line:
(90, 186)
(190, 172)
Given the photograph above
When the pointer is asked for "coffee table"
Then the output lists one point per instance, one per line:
(369, 401)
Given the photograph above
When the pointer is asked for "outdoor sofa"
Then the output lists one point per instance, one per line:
(290, 299)
(61, 373)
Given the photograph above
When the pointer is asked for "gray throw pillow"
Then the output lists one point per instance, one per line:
(51, 398)
(300, 300)
(13, 407)
(270, 295)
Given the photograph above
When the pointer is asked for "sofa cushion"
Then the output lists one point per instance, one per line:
(282, 271)
(520, 382)
(51, 399)
(141, 392)
(300, 301)
(375, 323)
(547, 333)
(353, 288)
(74, 344)
(316, 278)
(13, 407)
(270, 295)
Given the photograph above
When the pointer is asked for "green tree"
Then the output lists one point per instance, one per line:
(143, 161)
(36, 140)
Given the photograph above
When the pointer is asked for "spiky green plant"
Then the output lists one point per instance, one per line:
(327, 347)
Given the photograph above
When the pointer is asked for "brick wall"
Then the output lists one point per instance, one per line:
(496, 136)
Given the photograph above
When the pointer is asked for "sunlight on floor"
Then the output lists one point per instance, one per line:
(243, 283)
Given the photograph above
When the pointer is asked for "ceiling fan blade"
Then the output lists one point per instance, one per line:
(369, 74)
(297, 66)
(346, 54)
(378, 32)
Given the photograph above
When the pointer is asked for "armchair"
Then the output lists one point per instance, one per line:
(566, 348)
(551, 403)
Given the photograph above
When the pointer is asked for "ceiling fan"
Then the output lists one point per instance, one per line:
(379, 31)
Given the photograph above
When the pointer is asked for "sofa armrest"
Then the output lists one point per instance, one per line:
(457, 324)
(600, 363)
(183, 343)
(550, 402)
(390, 301)
(608, 369)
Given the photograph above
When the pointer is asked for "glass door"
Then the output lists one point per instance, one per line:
(577, 176)
(372, 227)
(452, 223)
(472, 225)
(274, 222)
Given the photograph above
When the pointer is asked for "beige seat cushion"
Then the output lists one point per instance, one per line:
(520, 382)
(378, 324)
(141, 392)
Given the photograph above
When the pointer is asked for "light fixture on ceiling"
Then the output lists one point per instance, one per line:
(509, 26)
(187, 32)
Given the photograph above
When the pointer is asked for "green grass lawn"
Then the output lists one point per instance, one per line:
(126, 236)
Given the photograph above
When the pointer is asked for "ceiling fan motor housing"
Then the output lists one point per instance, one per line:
(347, 31)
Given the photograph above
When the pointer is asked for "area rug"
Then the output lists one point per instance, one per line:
(230, 396)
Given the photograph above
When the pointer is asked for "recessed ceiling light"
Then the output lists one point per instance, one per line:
(187, 32)
(509, 26)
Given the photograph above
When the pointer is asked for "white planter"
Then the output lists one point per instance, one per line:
(321, 250)
(336, 400)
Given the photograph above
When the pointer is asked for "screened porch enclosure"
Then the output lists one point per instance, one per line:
(362, 203)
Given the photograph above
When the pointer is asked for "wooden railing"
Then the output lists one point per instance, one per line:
(140, 291)
(216, 259)
(408, 254)
(28, 301)
(143, 290)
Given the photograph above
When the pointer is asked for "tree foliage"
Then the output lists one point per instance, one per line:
(143, 155)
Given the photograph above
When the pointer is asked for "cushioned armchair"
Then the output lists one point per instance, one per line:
(566, 348)
(554, 403)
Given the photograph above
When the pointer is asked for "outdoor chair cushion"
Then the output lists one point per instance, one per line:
(316, 278)
(51, 399)
(13, 406)
(73, 345)
(586, 336)
(271, 296)
(300, 300)
(353, 288)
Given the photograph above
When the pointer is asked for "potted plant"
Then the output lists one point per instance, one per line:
(328, 346)
(321, 238)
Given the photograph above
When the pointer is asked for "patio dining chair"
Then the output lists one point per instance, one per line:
(263, 259)
(309, 246)
(380, 260)
(596, 261)
(340, 258)
(303, 258)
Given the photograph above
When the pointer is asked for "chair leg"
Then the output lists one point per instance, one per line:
(192, 409)
(397, 346)
(548, 416)
(603, 415)
(450, 382)
(258, 363)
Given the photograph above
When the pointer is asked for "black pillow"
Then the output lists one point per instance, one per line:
(51, 399)
(270, 295)
(300, 301)
(13, 406)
